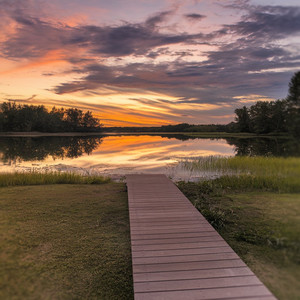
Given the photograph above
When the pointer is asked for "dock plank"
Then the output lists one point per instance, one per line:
(176, 253)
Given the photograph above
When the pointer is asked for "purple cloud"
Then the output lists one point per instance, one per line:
(235, 67)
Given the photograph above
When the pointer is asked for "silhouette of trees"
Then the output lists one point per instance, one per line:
(293, 99)
(281, 116)
(294, 89)
(273, 116)
(24, 118)
(243, 119)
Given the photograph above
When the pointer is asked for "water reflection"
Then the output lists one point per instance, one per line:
(265, 146)
(128, 153)
(18, 149)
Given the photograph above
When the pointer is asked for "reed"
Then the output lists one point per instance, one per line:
(268, 173)
(36, 178)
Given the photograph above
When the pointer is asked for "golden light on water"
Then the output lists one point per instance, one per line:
(128, 153)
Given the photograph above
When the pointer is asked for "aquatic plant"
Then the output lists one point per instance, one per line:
(37, 178)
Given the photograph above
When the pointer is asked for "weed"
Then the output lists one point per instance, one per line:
(36, 178)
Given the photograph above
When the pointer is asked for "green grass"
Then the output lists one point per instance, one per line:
(255, 165)
(65, 242)
(276, 174)
(36, 178)
(262, 227)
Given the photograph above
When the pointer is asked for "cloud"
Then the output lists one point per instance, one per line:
(195, 17)
(236, 61)
(22, 100)
(268, 23)
(153, 22)
(34, 37)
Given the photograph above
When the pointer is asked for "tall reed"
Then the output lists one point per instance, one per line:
(36, 178)
(273, 173)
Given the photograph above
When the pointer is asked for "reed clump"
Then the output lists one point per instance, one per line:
(37, 178)
(276, 174)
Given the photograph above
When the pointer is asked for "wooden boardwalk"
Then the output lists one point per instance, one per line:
(176, 253)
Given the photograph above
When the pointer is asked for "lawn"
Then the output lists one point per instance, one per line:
(72, 241)
(65, 242)
(262, 227)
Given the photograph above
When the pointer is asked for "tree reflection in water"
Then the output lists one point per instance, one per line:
(255, 146)
(20, 149)
(265, 146)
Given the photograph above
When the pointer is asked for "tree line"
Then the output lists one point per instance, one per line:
(26, 118)
(264, 117)
(273, 116)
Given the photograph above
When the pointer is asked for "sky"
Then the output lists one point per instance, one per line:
(148, 62)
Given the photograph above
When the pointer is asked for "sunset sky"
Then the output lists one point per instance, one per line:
(148, 62)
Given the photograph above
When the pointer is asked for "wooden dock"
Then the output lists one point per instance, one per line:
(176, 253)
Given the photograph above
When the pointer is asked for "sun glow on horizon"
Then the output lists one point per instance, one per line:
(136, 64)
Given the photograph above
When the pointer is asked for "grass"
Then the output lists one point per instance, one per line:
(65, 242)
(36, 178)
(276, 174)
(72, 241)
(255, 205)
(263, 227)
(255, 165)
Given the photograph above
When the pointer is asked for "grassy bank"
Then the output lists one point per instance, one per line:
(65, 242)
(256, 208)
(262, 227)
(277, 174)
(36, 178)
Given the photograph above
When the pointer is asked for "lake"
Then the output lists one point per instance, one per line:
(117, 155)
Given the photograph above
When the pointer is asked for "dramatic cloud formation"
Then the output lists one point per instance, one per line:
(176, 65)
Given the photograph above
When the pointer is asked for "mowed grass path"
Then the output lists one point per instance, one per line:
(65, 242)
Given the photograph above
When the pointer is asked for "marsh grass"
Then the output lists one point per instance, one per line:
(254, 203)
(255, 165)
(262, 227)
(37, 178)
(239, 173)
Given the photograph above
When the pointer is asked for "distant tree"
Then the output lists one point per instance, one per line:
(294, 90)
(231, 127)
(293, 99)
(175, 128)
(260, 116)
(243, 119)
(90, 122)
(279, 109)
(15, 117)
(56, 120)
(73, 118)
(274, 116)
(1, 121)
(9, 111)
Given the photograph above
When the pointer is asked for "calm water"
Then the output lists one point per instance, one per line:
(120, 155)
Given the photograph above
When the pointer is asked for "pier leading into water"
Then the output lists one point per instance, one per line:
(176, 253)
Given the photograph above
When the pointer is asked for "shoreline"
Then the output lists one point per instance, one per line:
(105, 133)
(38, 134)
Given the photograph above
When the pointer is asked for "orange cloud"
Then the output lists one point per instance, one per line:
(52, 57)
